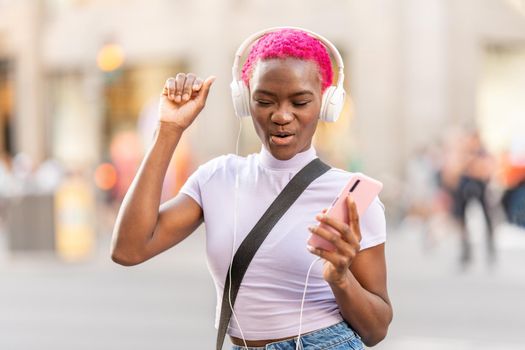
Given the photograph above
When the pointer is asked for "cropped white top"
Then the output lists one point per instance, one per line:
(269, 298)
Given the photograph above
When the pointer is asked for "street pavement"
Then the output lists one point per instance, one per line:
(168, 302)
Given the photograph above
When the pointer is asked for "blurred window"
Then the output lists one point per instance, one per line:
(501, 96)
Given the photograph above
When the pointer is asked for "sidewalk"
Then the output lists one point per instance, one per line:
(437, 305)
(168, 302)
(165, 303)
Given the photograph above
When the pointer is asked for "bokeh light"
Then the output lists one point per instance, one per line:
(105, 176)
(110, 57)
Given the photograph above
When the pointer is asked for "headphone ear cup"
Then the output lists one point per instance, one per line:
(332, 104)
(240, 98)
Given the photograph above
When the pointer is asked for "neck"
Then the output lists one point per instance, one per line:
(296, 162)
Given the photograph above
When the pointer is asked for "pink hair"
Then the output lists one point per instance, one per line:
(292, 43)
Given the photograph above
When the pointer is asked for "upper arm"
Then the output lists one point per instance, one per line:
(369, 268)
(369, 265)
(177, 219)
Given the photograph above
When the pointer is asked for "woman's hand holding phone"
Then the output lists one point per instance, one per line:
(337, 237)
(345, 243)
(182, 99)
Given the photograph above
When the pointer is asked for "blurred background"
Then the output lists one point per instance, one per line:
(436, 111)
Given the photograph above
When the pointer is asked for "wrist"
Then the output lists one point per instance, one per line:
(342, 283)
(167, 135)
(168, 128)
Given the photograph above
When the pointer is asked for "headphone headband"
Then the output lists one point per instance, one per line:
(333, 96)
(252, 38)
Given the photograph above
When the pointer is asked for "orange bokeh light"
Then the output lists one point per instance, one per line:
(105, 176)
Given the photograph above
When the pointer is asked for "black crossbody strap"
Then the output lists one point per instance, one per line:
(257, 235)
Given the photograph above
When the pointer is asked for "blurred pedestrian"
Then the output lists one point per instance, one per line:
(467, 170)
(513, 200)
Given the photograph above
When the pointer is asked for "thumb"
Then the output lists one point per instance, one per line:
(353, 216)
(204, 91)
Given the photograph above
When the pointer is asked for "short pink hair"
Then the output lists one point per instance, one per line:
(293, 43)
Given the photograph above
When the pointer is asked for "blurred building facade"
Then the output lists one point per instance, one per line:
(413, 67)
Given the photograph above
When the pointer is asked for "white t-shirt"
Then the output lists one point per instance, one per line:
(269, 298)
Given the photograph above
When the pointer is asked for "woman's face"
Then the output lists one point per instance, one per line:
(285, 101)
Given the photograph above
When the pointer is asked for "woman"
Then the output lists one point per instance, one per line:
(346, 302)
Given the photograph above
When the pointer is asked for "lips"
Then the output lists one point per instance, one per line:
(282, 138)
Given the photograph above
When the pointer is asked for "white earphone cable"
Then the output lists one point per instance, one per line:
(235, 232)
(297, 346)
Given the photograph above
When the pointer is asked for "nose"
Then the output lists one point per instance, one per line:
(282, 116)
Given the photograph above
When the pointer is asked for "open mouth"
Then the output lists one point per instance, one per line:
(282, 138)
(282, 134)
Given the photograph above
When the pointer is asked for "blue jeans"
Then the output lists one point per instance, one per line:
(336, 337)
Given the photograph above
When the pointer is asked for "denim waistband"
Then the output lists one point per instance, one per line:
(325, 338)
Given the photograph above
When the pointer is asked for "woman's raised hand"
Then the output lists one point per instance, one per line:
(182, 99)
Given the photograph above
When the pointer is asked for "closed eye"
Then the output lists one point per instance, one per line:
(301, 103)
(263, 102)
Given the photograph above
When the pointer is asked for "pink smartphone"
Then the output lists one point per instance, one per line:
(363, 190)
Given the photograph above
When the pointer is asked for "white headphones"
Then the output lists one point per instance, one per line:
(333, 97)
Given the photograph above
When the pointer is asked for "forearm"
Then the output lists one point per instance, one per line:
(139, 211)
(367, 313)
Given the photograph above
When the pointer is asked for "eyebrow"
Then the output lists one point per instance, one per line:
(298, 93)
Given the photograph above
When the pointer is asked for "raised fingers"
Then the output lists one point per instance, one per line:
(204, 90)
(188, 86)
(342, 246)
(197, 84)
(345, 230)
(184, 87)
(180, 78)
(340, 262)
(169, 89)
